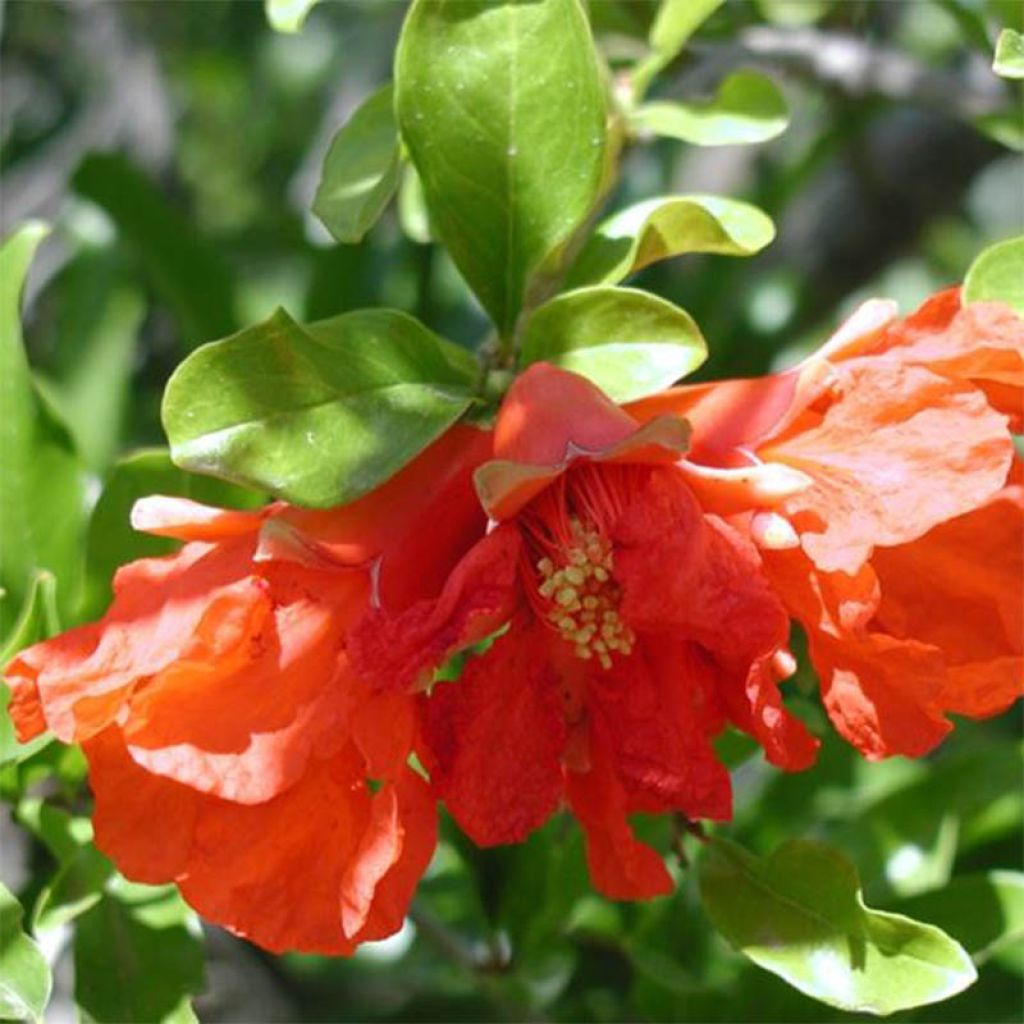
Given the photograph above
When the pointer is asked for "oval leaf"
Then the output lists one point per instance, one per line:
(799, 914)
(320, 414)
(1009, 56)
(24, 975)
(748, 107)
(508, 173)
(983, 912)
(629, 343)
(360, 172)
(42, 496)
(658, 229)
(997, 275)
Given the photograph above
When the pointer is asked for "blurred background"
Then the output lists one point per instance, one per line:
(175, 146)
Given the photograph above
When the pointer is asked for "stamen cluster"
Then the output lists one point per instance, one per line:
(585, 597)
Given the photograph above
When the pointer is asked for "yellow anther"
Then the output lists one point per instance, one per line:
(590, 602)
(566, 596)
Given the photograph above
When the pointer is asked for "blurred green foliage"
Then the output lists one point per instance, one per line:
(177, 148)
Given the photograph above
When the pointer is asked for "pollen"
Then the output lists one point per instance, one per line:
(584, 597)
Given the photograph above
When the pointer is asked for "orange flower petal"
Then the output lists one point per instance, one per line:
(899, 451)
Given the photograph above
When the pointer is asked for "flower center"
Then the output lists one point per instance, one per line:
(584, 598)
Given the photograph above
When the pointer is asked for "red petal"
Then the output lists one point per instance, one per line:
(959, 589)
(188, 520)
(549, 419)
(496, 737)
(415, 526)
(621, 867)
(194, 604)
(881, 693)
(245, 730)
(273, 872)
(898, 452)
(689, 575)
(401, 651)
(649, 712)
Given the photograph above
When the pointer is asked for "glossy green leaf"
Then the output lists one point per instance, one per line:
(42, 496)
(997, 275)
(799, 914)
(111, 541)
(360, 172)
(628, 342)
(747, 107)
(138, 956)
(508, 174)
(24, 974)
(658, 229)
(318, 414)
(985, 913)
(60, 831)
(188, 274)
(288, 15)
(1009, 56)
(674, 23)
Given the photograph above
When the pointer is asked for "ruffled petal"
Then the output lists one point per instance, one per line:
(684, 573)
(400, 651)
(621, 867)
(882, 693)
(982, 343)
(197, 604)
(273, 873)
(898, 451)
(651, 711)
(244, 730)
(549, 419)
(495, 739)
(959, 588)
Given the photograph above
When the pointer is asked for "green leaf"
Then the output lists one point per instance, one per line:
(1009, 56)
(288, 15)
(674, 23)
(75, 888)
(667, 226)
(799, 914)
(360, 172)
(189, 275)
(38, 618)
(985, 913)
(748, 107)
(138, 956)
(319, 414)
(507, 175)
(628, 342)
(111, 541)
(997, 275)
(42, 496)
(24, 974)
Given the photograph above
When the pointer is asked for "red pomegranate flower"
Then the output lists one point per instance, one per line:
(638, 625)
(904, 561)
(230, 745)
